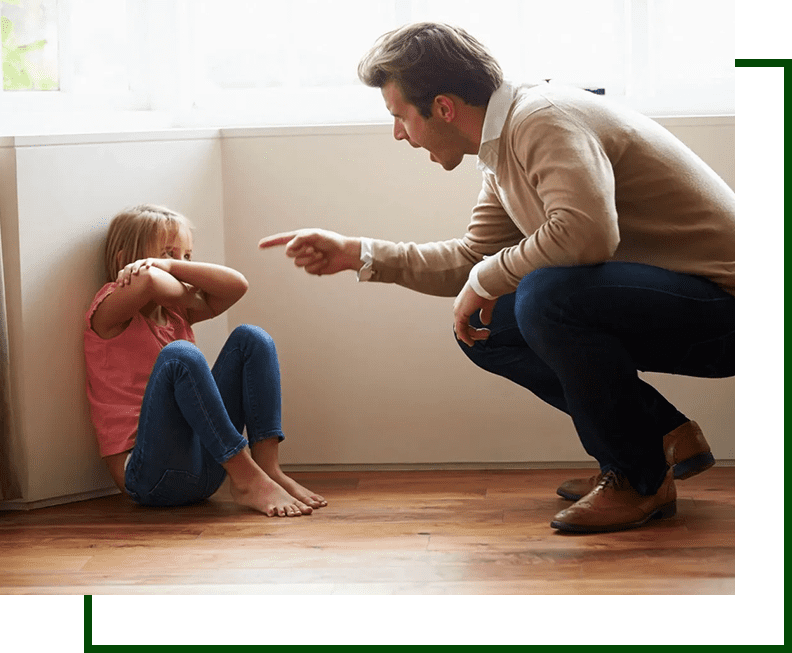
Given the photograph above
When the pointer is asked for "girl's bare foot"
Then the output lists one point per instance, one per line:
(270, 498)
(296, 490)
(265, 453)
(251, 487)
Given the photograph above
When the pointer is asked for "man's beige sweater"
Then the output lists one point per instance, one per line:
(573, 179)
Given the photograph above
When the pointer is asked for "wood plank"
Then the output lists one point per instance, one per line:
(391, 532)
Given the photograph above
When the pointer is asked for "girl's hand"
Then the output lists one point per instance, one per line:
(133, 269)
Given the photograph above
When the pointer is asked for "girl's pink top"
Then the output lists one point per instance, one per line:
(117, 371)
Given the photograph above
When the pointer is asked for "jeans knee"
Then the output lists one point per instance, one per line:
(184, 354)
(474, 353)
(538, 297)
(180, 350)
(542, 287)
(249, 331)
(253, 335)
(487, 357)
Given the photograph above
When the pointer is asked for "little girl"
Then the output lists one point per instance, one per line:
(168, 427)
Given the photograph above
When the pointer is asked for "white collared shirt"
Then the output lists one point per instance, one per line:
(494, 119)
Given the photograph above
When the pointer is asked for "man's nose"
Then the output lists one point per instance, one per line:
(398, 131)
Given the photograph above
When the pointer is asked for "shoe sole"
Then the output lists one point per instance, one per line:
(663, 512)
(568, 496)
(694, 465)
(682, 471)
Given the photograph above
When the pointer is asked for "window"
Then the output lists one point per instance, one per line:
(91, 54)
(267, 62)
(30, 45)
(286, 62)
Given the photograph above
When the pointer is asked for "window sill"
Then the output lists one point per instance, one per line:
(109, 132)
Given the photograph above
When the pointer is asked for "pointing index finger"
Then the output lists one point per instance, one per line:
(277, 239)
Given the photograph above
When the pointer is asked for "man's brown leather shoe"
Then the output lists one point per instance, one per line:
(613, 505)
(686, 451)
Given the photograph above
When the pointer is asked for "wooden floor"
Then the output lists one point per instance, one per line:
(394, 532)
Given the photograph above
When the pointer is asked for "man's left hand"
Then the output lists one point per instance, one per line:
(467, 303)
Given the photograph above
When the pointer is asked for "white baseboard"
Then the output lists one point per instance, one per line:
(408, 467)
(56, 501)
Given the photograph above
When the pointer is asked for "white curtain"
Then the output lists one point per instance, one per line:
(9, 483)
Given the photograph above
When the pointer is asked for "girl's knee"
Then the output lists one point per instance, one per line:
(183, 352)
(254, 335)
(247, 330)
(180, 349)
(251, 331)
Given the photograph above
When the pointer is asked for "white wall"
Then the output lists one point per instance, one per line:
(371, 373)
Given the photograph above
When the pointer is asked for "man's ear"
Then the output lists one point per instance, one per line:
(444, 107)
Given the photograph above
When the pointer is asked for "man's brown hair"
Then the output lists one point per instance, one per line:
(430, 59)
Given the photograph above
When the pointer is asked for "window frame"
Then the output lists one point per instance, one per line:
(169, 95)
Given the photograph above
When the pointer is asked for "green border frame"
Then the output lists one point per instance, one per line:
(755, 615)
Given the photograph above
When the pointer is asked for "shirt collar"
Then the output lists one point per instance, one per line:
(495, 117)
(498, 109)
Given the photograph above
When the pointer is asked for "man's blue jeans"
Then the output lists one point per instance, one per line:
(578, 336)
(192, 418)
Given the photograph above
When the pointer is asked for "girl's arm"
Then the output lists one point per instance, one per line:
(139, 285)
(213, 288)
(149, 282)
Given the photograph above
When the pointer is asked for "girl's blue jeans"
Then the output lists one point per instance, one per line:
(577, 338)
(192, 418)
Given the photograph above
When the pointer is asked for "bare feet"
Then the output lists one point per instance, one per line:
(296, 490)
(270, 498)
(265, 453)
(253, 488)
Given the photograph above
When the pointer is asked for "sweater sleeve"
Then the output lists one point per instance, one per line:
(563, 171)
(442, 268)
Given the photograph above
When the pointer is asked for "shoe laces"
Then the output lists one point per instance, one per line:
(612, 479)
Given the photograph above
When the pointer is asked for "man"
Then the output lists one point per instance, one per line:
(600, 246)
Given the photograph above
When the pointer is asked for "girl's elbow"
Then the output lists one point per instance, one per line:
(156, 284)
(241, 287)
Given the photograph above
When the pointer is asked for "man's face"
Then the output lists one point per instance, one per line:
(434, 134)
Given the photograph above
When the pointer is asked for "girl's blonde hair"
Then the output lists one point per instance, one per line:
(134, 231)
